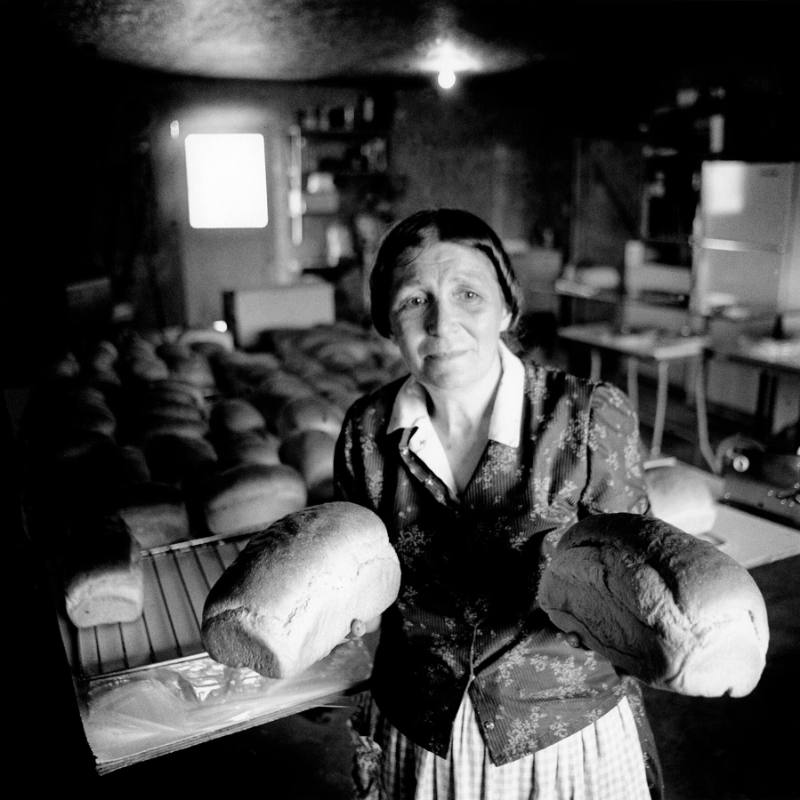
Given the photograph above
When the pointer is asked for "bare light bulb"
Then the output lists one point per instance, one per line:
(446, 78)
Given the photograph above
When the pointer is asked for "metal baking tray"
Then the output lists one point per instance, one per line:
(177, 579)
(118, 667)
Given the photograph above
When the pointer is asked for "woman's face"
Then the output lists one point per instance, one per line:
(447, 312)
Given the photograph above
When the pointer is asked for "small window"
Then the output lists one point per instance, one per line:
(227, 180)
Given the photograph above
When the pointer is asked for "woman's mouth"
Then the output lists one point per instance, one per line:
(444, 355)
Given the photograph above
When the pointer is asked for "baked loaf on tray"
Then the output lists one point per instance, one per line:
(155, 513)
(103, 576)
(661, 605)
(291, 595)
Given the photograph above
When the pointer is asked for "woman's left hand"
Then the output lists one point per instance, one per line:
(359, 627)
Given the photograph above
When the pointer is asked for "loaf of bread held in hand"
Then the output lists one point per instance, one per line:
(291, 595)
(103, 576)
(660, 604)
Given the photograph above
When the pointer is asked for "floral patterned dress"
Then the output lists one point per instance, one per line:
(466, 623)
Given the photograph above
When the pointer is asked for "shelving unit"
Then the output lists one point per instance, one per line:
(670, 194)
(333, 175)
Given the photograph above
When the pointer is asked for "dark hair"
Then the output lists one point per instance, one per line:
(428, 227)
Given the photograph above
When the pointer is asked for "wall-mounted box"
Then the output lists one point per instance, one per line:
(251, 312)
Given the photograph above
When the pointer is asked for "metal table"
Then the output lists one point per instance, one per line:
(659, 347)
(773, 358)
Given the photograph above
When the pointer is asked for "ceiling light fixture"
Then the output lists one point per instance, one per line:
(448, 60)
(446, 78)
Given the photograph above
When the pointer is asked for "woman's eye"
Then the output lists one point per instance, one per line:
(469, 294)
(414, 301)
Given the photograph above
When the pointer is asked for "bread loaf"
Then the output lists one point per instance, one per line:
(134, 465)
(147, 368)
(293, 592)
(155, 513)
(309, 413)
(248, 447)
(194, 370)
(249, 497)
(85, 413)
(156, 409)
(103, 578)
(195, 337)
(310, 452)
(176, 459)
(175, 391)
(165, 425)
(103, 356)
(682, 498)
(236, 415)
(668, 608)
(172, 352)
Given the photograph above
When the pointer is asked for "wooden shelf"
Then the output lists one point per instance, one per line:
(358, 161)
(341, 133)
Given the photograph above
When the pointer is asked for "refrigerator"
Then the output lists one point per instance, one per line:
(746, 247)
(746, 265)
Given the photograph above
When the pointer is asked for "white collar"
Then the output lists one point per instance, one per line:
(410, 411)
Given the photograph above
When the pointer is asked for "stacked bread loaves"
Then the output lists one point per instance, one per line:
(660, 604)
(291, 595)
(177, 435)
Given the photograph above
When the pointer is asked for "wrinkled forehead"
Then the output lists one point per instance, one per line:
(442, 261)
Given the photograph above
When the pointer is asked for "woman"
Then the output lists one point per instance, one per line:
(477, 462)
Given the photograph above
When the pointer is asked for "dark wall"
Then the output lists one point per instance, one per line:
(493, 152)
(79, 165)
(78, 171)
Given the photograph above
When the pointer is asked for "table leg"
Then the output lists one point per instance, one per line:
(661, 407)
(594, 369)
(633, 382)
(763, 419)
(702, 416)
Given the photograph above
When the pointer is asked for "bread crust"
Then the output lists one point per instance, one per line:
(155, 513)
(234, 414)
(103, 577)
(311, 453)
(248, 447)
(309, 413)
(679, 497)
(248, 497)
(291, 595)
(660, 604)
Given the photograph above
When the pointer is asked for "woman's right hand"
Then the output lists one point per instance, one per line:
(574, 640)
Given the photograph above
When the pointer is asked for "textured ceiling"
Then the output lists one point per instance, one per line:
(300, 39)
(332, 39)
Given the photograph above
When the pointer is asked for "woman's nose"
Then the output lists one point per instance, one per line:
(440, 317)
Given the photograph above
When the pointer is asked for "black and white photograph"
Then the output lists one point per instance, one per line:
(401, 398)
